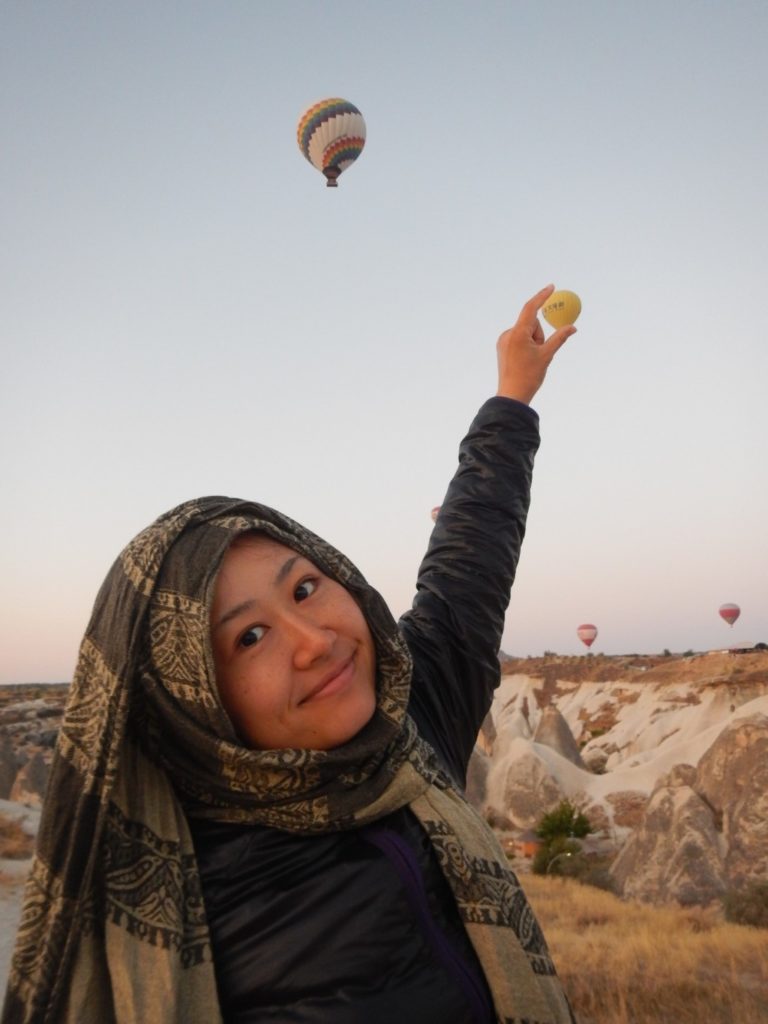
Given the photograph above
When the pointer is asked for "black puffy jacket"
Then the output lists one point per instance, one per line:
(360, 927)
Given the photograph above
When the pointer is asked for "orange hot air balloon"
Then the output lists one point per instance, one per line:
(729, 612)
(434, 513)
(587, 633)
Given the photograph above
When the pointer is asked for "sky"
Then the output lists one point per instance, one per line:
(185, 309)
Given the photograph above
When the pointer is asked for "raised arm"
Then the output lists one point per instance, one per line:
(454, 627)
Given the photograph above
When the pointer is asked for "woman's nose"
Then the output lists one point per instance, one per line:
(311, 641)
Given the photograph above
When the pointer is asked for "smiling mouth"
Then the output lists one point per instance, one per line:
(332, 682)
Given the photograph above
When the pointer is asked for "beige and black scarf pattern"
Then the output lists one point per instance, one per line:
(113, 926)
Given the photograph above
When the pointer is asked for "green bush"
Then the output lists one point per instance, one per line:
(565, 821)
(556, 857)
(559, 854)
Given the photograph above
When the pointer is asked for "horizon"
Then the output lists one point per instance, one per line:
(759, 647)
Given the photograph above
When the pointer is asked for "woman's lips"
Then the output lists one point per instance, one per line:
(333, 682)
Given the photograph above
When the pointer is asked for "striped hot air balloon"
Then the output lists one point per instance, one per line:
(331, 136)
(587, 633)
(729, 612)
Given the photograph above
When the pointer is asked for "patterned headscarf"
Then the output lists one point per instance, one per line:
(113, 927)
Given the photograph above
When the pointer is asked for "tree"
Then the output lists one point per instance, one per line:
(559, 853)
(564, 822)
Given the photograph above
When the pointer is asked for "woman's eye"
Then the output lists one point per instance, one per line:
(305, 589)
(252, 636)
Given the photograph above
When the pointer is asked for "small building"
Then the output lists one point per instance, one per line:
(526, 844)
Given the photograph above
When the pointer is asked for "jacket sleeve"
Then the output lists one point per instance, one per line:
(454, 627)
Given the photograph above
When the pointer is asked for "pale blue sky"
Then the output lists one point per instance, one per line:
(187, 310)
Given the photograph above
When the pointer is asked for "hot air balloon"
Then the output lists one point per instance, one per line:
(434, 513)
(561, 308)
(587, 633)
(331, 136)
(729, 612)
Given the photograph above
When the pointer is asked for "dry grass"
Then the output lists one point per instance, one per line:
(626, 963)
(15, 844)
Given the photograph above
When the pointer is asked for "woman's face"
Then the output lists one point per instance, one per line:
(295, 660)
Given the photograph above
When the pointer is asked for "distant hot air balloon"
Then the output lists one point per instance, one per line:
(331, 136)
(434, 513)
(729, 612)
(561, 308)
(587, 633)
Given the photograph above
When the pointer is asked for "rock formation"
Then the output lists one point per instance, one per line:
(732, 778)
(553, 731)
(30, 717)
(675, 852)
(522, 786)
(672, 771)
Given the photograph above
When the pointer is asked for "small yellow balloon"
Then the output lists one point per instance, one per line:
(561, 308)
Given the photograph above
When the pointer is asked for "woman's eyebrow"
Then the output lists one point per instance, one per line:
(246, 605)
(286, 568)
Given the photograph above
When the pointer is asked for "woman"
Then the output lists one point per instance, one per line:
(255, 812)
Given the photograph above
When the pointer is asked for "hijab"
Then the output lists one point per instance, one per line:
(113, 926)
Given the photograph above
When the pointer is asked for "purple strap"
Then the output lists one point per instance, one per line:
(403, 859)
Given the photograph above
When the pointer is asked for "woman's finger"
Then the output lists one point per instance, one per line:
(560, 336)
(530, 311)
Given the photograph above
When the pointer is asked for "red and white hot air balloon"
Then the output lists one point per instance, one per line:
(729, 612)
(434, 513)
(587, 633)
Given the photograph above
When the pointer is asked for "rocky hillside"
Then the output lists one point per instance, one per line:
(667, 756)
(30, 716)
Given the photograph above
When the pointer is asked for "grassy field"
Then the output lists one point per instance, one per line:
(626, 963)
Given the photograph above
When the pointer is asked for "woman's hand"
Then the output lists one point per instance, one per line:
(524, 354)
